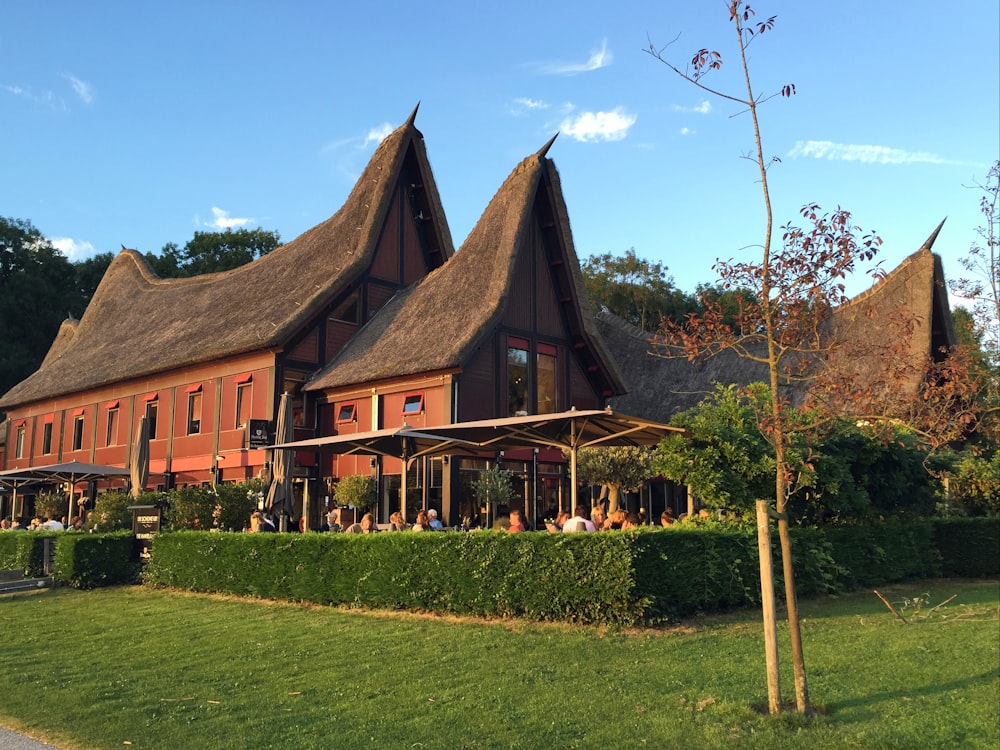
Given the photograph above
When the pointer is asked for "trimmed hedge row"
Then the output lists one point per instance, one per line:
(24, 551)
(649, 575)
(87, 561)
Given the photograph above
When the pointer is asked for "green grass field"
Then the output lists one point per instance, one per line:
(141, 668)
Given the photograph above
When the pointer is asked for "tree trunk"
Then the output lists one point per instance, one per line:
(794, 631)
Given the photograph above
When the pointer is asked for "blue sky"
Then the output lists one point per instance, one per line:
(138, 124)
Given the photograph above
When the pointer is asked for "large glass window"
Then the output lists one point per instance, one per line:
(518, 383)
(545, 367)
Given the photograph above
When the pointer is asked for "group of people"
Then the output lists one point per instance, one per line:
(426, 520)
(42, 523)
(596, 519)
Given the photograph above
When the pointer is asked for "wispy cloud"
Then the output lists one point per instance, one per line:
(686, 131)
(82, 89)
(522, 105)
(45, 98)
(703, 107)
(377, 134)
(863, 153)
(597, 60)
(598, 126)
(74, 250)
(222, 220)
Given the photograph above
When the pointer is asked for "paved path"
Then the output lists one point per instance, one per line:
(12, 741)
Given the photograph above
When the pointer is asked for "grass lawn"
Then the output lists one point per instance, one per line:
(143, 668)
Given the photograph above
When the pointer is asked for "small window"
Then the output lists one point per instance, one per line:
(47, 438)
(151, 418)
(19, 444)
(347, 413)
(78, 432)
(194, 412)
(413, 404)
(347, 311)
(244, 393)
(111, 436)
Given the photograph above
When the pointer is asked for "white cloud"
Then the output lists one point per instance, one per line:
(599, 59)
(46, 98)
(377, 134)
(522, 105)
(686, 131)
(862, 153)
(74, 250)
(598, 126)
(703, 107)
(82, 89)
(222, 220)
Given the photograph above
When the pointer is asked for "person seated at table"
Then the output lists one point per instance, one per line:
(579, 522)
(433, 521)
(554, 527)
(598, 517)
(516, 524)
(397, 522)
(365, 526)
(631, 521)
(422, 523)
(667, 517)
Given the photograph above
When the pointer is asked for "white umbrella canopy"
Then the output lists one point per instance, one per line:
(279, 493)
(139, 459)
(70, 472)
(405, 443)
(568, 431)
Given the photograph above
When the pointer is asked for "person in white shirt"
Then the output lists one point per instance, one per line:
(580, 522)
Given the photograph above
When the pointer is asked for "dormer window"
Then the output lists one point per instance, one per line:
(347, 413)
(413, 403)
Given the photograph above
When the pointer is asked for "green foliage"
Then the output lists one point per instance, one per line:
(974, 485)
(87, 561)
(723, 457)
(494, 487)
(235, 504)
(24, 550)
(51, 505)
(968, 546)
(111, 511)
(37, 293)
(358, 490)
(636, 290)
(210, 252)
(191, 508)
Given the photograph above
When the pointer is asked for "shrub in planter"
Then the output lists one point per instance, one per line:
(357, 490)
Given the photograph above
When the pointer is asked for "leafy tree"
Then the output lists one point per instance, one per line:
(210, 252)
(358, 490)
(636, 290)
(617, 469)
(37, 293)
(89, 273)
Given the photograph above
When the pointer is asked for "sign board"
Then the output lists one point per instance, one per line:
(145, 525)
(258, 433)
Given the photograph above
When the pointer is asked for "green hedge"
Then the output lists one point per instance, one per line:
(969, 547)
(86, 561)
(24, 551)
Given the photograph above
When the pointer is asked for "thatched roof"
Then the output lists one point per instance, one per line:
(138, 324)
(660, 387)
(441, 320)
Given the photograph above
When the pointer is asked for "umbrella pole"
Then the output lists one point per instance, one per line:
(572, 480)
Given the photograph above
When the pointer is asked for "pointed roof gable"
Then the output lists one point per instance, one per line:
(138, 324)
(440, 321)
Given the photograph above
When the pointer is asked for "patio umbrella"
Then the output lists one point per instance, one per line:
(139, 460)
(568, 430)
(13, 479)
(71, 472)
(405, 443)
(279, 492)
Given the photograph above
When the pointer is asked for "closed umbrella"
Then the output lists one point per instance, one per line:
(279, 493)
(139, 460)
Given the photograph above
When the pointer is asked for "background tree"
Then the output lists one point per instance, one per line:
(89, 273)
(617, 469)
(38, 291)
(209, 252)
(636, 290)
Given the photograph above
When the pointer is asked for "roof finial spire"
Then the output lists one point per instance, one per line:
(545, 149)
(413, 115)
(929, 242)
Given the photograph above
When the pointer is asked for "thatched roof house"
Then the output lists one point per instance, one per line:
(915, 292)
(138, 324)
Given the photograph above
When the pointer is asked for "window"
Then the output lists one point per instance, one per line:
(19, 442)
(518, 384)
(348, 413)
(545, 375)
(413, 403)
(111, 435)
(78, 432)
(347, 311)
(47, 437)
(194, 410)
(244, 399)
(151, 417)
